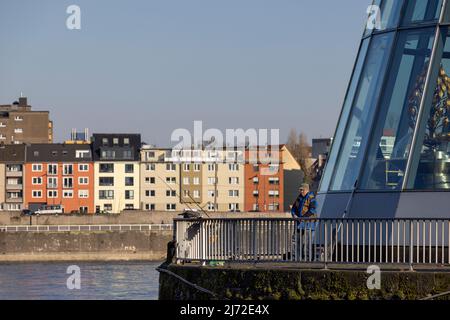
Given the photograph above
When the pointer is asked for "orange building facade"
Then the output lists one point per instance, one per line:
(264, 180)
(59, 174)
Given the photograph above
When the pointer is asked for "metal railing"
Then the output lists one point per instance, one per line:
(357, 241)
(106, 227)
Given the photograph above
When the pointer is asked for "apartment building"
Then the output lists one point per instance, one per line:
(223, 180)
(19, 124)
(117, 172)
(160, 181)
(12, 160)
(59, 174)
(272, 179)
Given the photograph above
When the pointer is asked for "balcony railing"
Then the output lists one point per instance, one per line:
(337, 241)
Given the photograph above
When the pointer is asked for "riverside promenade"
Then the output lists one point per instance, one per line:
(286, 258)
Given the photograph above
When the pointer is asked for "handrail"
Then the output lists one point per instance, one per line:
(350, 240)
(98, 227)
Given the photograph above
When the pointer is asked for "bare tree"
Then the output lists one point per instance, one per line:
(301, 150)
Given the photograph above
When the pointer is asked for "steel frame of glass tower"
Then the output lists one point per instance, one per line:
(390, 156)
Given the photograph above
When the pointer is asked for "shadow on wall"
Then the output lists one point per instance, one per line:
(292, 181)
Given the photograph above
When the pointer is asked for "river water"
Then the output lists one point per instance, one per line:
(104, 281)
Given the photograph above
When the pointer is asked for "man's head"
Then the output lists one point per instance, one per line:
(304, 189)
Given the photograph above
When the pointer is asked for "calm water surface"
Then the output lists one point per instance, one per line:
(108, 280)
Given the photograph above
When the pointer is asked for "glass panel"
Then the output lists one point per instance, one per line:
(433, 171)
(383, 15)
(418, 11)
(358, 127)
(391, 142)
(343, 118)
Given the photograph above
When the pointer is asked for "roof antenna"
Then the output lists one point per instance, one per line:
(21, 94)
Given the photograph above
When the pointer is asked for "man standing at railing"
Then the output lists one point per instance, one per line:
(304, 207)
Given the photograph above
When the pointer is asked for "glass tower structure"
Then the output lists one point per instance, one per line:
(391, 149)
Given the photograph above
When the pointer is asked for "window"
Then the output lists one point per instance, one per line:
(106, 194)
(212, 207)
(83, 194)
(106, 181)
(211, 180)
(129, 168)
(67, 169)
(186, 167)
(233, 193)
(108, 154)
(429, 165)
(186, 193)
(389, 14)
(105, 141)
(233, 180)
(116, 141)
(68, 194)
(211, 167)
(129, 181)
(355, 139)
(233, 207)
(196, 194)
(171, 207)
(346, 109)
(150, 167)
(211, 193)
(36, 194)
(418, 11)
(171, 180)
(83, 180)
(150, 180)
(52, 194)
(37, 180)
(68, 182)
(52, 182)
(107, 207)
(274, 181)
(129, 194)
(150, 193)
(150, 206)
(233, 167)
(127, 154)
(52, 169)
(196, 180)
(83, 167)
(106, 167)
(197, 167)
(171, 167)
(18, 118)
(150, 154)
(385, 169)
(36, 168)
(82, 154)
(185, 181)
(18, 130)
(255, 180)
(171, 193)
(126, 141)
(274, 207)
(274, 193)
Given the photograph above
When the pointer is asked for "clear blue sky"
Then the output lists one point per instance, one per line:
(152, 66)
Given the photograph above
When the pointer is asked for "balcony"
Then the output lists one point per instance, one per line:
(14, 200)
(14, 174)
(14, 186)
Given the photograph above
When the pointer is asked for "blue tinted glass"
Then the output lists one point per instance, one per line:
(389, 150)
(419, 11)
(344, 116)
(383, 15)
(361, 117)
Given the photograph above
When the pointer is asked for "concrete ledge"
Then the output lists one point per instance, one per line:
(270, 282)
(74, 257)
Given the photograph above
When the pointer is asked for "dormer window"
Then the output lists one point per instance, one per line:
(105, 141)
(115, 141)
(126, 141)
